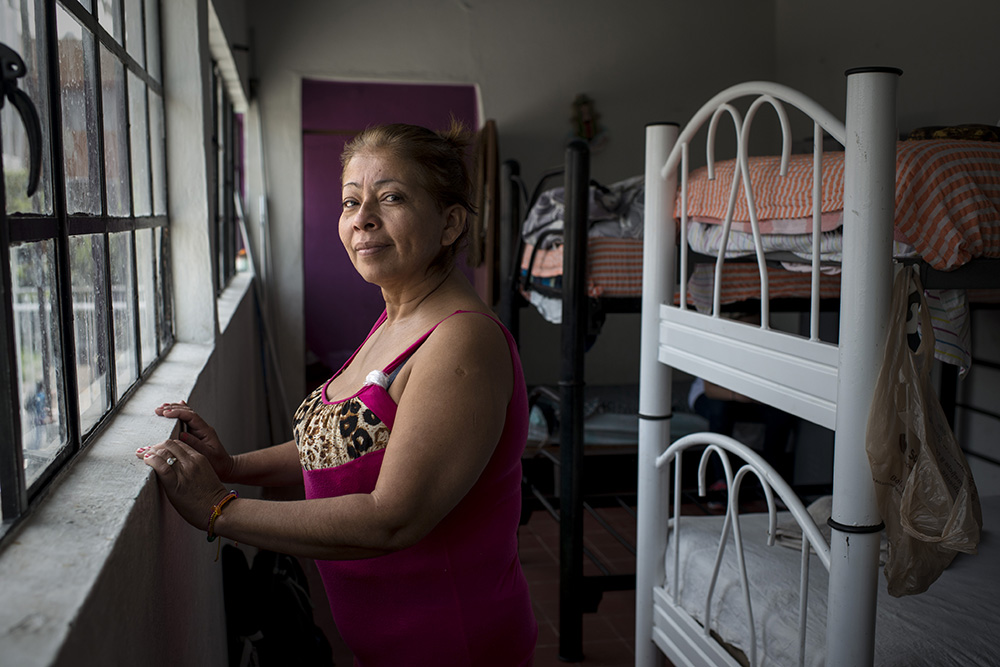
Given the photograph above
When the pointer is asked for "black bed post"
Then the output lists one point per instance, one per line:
(571, 383)
(510, 216)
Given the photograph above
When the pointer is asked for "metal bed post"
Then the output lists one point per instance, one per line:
(869, 202)
(573, 333)
(510, 214)
(654, 384)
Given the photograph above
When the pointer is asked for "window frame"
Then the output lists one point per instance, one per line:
(17, 496)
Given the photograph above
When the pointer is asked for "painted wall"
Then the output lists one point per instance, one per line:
(530, 59)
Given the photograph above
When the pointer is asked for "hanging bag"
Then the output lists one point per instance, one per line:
(923, 484)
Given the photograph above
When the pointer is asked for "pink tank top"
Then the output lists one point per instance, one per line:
(458, 597)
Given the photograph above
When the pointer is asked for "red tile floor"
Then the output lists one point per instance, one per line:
(608, 635)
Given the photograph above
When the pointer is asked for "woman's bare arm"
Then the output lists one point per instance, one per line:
(450, 417)
(277, 465)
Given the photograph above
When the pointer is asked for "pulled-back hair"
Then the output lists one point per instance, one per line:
(440, 158)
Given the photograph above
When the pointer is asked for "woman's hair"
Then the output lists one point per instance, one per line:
(440, 158)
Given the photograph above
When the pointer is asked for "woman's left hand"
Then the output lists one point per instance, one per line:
(191, 484)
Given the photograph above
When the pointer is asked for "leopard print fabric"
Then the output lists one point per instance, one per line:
(331, 435)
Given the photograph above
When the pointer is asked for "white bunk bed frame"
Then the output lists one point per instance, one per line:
(831, 385)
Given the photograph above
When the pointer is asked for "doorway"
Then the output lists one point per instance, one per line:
(340, 307)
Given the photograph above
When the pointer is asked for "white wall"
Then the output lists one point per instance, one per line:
(981, 390)
(947, 52)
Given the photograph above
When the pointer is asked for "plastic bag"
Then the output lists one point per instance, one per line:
(923, 484)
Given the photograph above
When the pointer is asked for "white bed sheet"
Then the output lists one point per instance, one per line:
(707, 239)
(956, 622)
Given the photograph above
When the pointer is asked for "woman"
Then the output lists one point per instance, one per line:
(410, 454)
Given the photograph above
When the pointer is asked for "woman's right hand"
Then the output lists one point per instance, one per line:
(200, 436)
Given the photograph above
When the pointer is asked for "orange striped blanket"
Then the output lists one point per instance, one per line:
(947, 197)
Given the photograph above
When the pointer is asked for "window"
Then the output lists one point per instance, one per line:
(84, 259)
(228, 134)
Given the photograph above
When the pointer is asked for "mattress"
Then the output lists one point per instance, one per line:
(955, 622)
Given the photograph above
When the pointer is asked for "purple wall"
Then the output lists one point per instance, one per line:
(339, 306)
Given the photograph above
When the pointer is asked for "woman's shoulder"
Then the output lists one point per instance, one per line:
(467, 345)
(470, 328)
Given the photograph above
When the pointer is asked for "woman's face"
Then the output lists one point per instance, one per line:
(391, 227)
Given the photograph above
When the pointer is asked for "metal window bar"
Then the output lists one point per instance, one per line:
(214, 188)
(64, 285)
(101, 34)
(98, 156)
(13, 495)
(229, 190)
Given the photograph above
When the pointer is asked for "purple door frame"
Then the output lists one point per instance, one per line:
(339, 306)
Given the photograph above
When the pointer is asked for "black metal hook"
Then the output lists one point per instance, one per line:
(11, 69)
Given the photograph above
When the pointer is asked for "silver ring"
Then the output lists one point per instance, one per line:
(172, 460)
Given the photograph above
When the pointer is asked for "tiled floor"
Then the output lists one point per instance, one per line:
(608, 635)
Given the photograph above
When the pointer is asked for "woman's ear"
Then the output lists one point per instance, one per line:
(456, 217)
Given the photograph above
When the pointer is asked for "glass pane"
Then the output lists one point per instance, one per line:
(221, 142)
(146, 281)
(90, 317)
(140, 145)
(157, 147)
(133, 30)
(239, 157)
(78, 78)
(123, 307)
(164, 304)
(109, 13)
(39, 353)
(115, 137)
(153, 39)
(19, 30)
